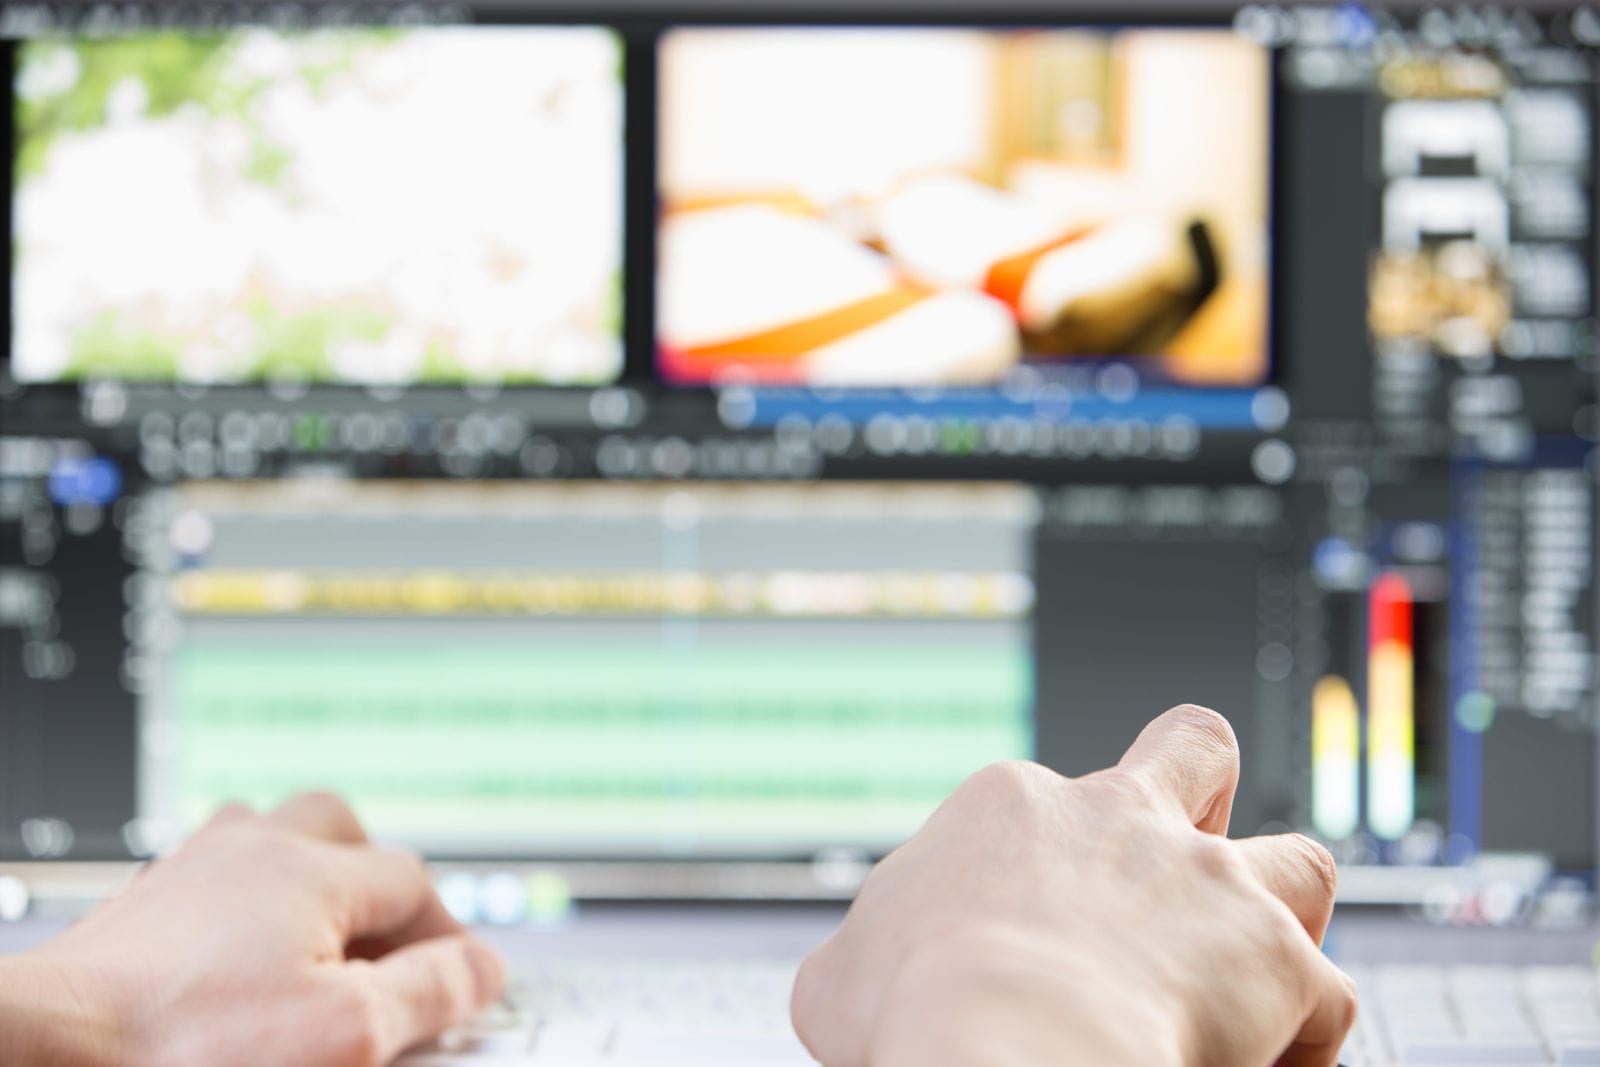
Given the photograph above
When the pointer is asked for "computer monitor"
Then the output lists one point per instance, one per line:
(730, 624)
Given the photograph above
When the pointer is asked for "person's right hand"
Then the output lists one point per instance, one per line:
(1102, 921)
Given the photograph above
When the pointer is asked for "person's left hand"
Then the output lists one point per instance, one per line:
(265, 940)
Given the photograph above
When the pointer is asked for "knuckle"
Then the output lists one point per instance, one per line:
(1013, 782)
(443, 1000)
(1125, 789)
(1216, 858)
(413, 875)
(805, 999)
(231, 814)
(232, 829)
(301, 863)
(1284, 933)
(422, 885)
(358, 1030)
(1319, 861)
(298, 852)
(1350, 1000)
(409, 865)
(324, 800)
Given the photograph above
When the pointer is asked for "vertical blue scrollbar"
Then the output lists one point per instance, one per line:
(1465, 745)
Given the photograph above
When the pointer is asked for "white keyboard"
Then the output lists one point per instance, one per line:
(620, 1012)
(1422, 1016)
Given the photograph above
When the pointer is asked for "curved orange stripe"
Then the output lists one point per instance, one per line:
(1007, 277)
(794, 341)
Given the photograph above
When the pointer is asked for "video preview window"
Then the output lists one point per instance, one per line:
(368, 207)
(928, 206)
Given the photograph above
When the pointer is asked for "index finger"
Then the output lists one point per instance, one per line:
(1297, 871)
(421, 990)
(1329, 1014)
(1191, 755)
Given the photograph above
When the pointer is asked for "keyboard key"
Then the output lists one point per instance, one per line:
(457, 1059)
(647, 1045)
(1353, 1054)
(1570, 1054)
(1497, 1026)
(495, 1042)
(1367, 1034)
(1464, 1053)
(1483, 984)
(499, 1029)
(1547, 982)
(573, 1037)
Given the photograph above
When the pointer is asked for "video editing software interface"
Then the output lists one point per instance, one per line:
(712, 434)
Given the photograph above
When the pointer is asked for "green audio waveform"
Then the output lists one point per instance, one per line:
(831, 740)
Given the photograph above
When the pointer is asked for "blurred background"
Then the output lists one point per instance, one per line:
(312, 206)
(660, 450)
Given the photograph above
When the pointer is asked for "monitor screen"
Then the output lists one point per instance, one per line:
(943, 206)
(378, 206)
(893, 484)
(491, 668)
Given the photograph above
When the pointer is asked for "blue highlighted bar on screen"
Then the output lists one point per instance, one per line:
(1220, 409)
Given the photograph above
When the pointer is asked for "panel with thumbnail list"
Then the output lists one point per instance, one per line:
(638, 448)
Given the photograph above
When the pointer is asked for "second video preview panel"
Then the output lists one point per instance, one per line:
(918, 206)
